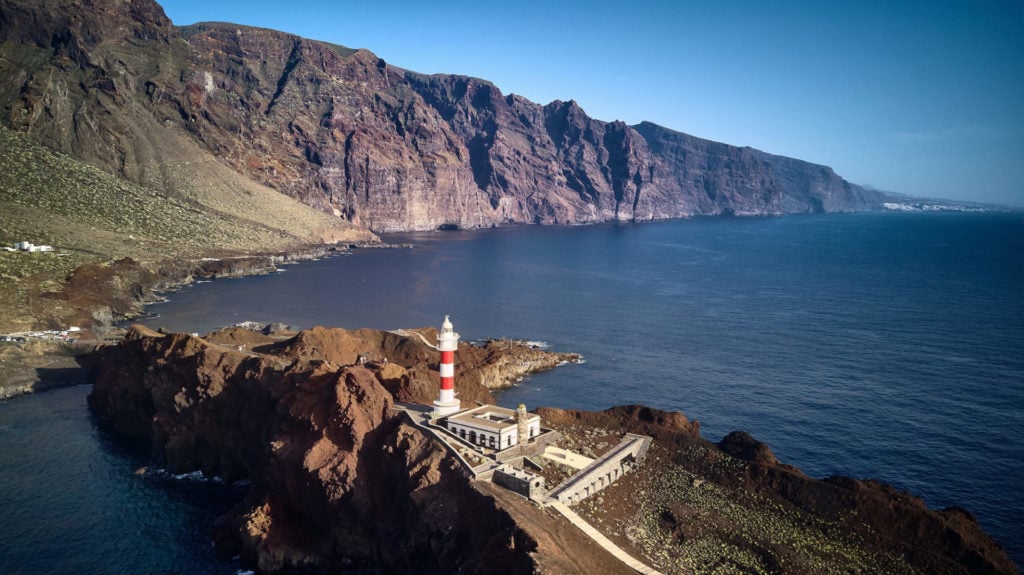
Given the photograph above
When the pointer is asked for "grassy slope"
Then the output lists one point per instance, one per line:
(48, 198)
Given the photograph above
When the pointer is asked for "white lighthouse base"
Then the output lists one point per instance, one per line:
(443, 408)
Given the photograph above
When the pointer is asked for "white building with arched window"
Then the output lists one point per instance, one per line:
(494, 427)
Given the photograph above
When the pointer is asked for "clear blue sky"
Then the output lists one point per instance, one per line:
(923, 98)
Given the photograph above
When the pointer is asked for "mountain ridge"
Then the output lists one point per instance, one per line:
(220, 120)
(347, 133)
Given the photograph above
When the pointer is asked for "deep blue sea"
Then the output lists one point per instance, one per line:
(72, 502)
(886, 346)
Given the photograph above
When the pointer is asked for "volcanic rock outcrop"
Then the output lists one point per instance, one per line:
(117, 85)
(340, 481)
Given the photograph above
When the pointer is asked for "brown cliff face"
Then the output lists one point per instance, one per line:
(79, 80)
(87, 79)
(347, 133)
(73, 27)
(339, 480)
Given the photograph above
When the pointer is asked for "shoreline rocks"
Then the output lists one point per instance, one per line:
(103, 294)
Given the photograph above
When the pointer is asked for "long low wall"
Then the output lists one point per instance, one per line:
(629, 453)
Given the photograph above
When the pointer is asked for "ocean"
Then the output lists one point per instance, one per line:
(886, 346)
(74, 500)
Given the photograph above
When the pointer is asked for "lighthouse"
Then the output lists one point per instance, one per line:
(447, 343)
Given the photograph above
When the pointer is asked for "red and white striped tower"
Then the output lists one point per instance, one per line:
(447, 343)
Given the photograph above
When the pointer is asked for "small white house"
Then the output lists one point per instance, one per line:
(31, 248)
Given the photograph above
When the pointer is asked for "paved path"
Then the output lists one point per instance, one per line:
(602, 540)
(419, 416)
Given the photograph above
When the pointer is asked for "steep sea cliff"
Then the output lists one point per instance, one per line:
(179, 144)
(120, 87)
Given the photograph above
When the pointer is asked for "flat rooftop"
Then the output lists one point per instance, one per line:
(489, 416)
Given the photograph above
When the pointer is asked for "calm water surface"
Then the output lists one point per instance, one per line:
(72, 502)
(888, 346)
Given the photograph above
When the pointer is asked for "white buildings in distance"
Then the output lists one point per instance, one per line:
(28, 247)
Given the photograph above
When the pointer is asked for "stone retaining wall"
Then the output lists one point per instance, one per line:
(604, 471)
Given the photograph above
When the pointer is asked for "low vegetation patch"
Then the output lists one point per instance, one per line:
(681, 513)
(92, 217)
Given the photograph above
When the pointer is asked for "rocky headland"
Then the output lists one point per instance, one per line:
(341, 482)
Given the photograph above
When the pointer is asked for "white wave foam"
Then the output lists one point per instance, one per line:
(537, 344)
(197, 476)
